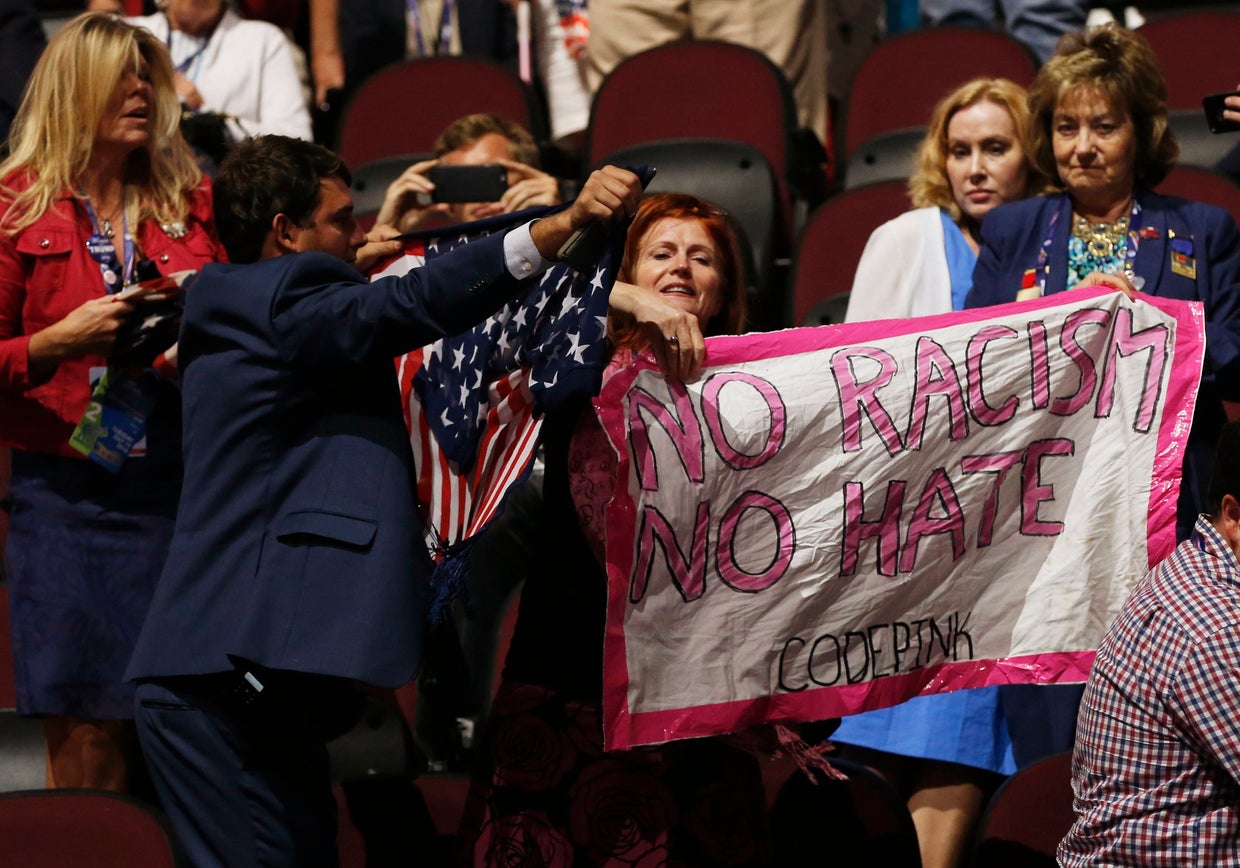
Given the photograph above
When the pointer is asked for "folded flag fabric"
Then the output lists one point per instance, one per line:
(475, 401)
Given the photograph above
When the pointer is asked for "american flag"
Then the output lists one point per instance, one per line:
(474, 402)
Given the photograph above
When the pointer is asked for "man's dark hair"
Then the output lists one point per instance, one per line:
(1226, 477)
(266, 176)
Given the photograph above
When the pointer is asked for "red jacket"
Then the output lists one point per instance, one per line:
(46, 272)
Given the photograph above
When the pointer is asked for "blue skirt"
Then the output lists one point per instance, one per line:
(85, 549)
(966, 727)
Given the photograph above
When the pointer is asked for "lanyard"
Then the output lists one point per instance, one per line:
(1134, 241)
(1044, 253)
(184, 65)
(444, 45)
(1130, 249)
(103, 250)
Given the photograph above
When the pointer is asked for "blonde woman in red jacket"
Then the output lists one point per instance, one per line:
(99, 189)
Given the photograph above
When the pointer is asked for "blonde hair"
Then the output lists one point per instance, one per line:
(69, 93)
(1121, 66)
(929, 187)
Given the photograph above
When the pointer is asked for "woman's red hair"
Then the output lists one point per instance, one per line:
(732, 308)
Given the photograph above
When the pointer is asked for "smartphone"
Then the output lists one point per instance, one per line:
(468, 183)
(1213, 104)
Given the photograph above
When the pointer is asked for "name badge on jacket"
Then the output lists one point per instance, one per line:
(1183, 262)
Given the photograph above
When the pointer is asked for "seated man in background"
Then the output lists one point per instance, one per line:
(1156, 770)
(474, 140)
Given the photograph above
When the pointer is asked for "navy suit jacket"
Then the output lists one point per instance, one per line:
(1013, 234)
(298, 545)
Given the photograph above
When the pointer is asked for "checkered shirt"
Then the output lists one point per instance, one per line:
(1156, 771)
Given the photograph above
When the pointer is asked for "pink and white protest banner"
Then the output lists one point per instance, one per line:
(837, 519)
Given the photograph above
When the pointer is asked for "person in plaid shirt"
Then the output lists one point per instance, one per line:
(1156, 770)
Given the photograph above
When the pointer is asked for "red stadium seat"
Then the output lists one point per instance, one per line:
(402, 108)
(23, 751)
(53, 828)
(832, 242)
(1197, 51)
(1202, 185)
(699, 89)
(1028, 816)
(901, 80)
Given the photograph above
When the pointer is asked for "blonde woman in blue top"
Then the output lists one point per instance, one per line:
(943, 752)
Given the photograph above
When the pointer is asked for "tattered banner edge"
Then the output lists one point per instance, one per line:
(627, 730)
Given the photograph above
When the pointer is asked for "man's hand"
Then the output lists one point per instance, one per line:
(609, 192)
(406, 202)
(379, 244)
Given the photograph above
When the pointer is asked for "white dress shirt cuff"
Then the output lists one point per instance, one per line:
(520, 254)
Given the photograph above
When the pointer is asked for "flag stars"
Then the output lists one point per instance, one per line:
(505, 342)
(575, 348)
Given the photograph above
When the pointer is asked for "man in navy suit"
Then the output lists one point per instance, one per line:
(297, 566)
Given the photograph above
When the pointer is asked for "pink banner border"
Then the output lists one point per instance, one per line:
(652, 727)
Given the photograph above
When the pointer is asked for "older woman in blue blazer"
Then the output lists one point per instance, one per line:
(1098, 111)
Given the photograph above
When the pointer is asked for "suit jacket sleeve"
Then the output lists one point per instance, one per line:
(325, 314)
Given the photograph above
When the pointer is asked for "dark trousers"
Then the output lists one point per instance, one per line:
(245, 782)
